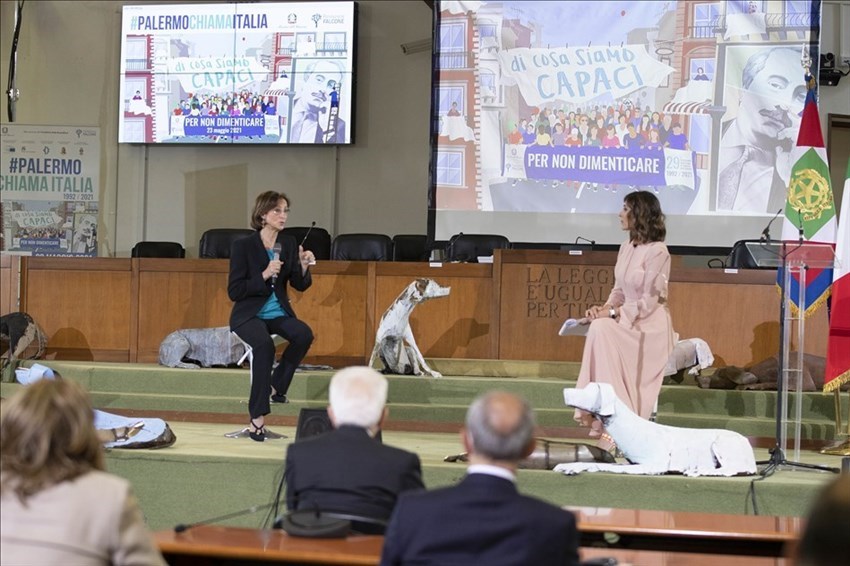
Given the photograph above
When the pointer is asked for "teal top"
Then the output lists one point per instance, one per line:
(272, 308)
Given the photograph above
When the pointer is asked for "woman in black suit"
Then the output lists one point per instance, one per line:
(261, 266)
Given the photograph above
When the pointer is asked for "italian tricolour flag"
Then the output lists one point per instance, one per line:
(838, 348)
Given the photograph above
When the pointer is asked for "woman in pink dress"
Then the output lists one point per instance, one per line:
(631, 336)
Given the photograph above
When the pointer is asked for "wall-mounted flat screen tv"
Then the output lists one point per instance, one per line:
(247, 73)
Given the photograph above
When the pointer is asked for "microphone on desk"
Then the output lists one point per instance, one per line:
(451, 244)
(182, 527)
(765, 234)
(275, 257)
(800, 226)
(583, 239)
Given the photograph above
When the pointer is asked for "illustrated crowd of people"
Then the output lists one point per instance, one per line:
(621, 125)
(41, 232)
(241, 103)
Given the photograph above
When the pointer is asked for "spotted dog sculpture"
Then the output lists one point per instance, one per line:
(192, 348)
(652, 448)
(394, 342)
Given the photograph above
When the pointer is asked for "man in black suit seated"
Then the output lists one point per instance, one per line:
(484, 519)
(347, 470)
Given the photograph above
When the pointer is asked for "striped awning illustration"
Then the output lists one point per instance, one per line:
(276, 92)
(686, 107)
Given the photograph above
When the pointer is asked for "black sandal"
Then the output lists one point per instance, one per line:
(259, 432)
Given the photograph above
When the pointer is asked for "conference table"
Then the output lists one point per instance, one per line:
(639, 537)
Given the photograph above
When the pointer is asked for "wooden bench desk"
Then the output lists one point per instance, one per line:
(213, 545)
(635, 536)
(708, 533)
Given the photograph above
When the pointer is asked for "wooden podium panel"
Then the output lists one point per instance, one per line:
(175, 294)
(84, 305)
(114, 309)
(9, 274)
(456, 326)
(737, 313)
(539, 291)
(335, 308)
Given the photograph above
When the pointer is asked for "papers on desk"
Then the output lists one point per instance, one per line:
(574, 327)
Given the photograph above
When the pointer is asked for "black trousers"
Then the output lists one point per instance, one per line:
(257, 333)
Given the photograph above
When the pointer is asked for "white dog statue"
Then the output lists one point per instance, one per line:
(658, 449)
(394, 341)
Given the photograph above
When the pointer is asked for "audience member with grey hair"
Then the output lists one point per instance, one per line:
(484, 519)
(358, 398)
(347, 470)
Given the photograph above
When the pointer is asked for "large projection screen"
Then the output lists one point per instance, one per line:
(545, 114)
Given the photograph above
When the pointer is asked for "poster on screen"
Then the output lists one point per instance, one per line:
(49, 189)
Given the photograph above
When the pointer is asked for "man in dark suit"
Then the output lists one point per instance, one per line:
(347, 470)
(484, 519)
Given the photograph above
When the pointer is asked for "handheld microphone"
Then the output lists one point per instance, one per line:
(591, 242)
(182, 527)
(307, 233)
(451, 245)
(275, 257)
(765, 234)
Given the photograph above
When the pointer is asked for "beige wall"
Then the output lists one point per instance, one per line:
(68, 61)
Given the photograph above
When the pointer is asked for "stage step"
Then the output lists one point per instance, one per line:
(424, 403)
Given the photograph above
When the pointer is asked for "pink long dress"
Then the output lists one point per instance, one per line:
(630, 353)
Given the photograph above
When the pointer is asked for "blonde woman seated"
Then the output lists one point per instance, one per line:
(57, 505)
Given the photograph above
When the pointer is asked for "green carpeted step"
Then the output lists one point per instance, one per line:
(751, 427)
(150, 387)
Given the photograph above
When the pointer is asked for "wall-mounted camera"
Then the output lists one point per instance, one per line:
(829, 75)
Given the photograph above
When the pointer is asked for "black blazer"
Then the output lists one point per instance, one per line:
(347, 471)
(482, 520)
(246, 287)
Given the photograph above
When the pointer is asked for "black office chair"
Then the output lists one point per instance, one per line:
(158, 249)
(318, 240)
(216, 242)
(410, 247)
(467, 247)
(740, 257)
(362, 247)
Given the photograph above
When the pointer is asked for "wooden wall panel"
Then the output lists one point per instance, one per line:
(9, 283)
(108, 309)
(537, 297)
(456, 326)
(171, 301)
(739, 321)
(335, 308)
(83, 305)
